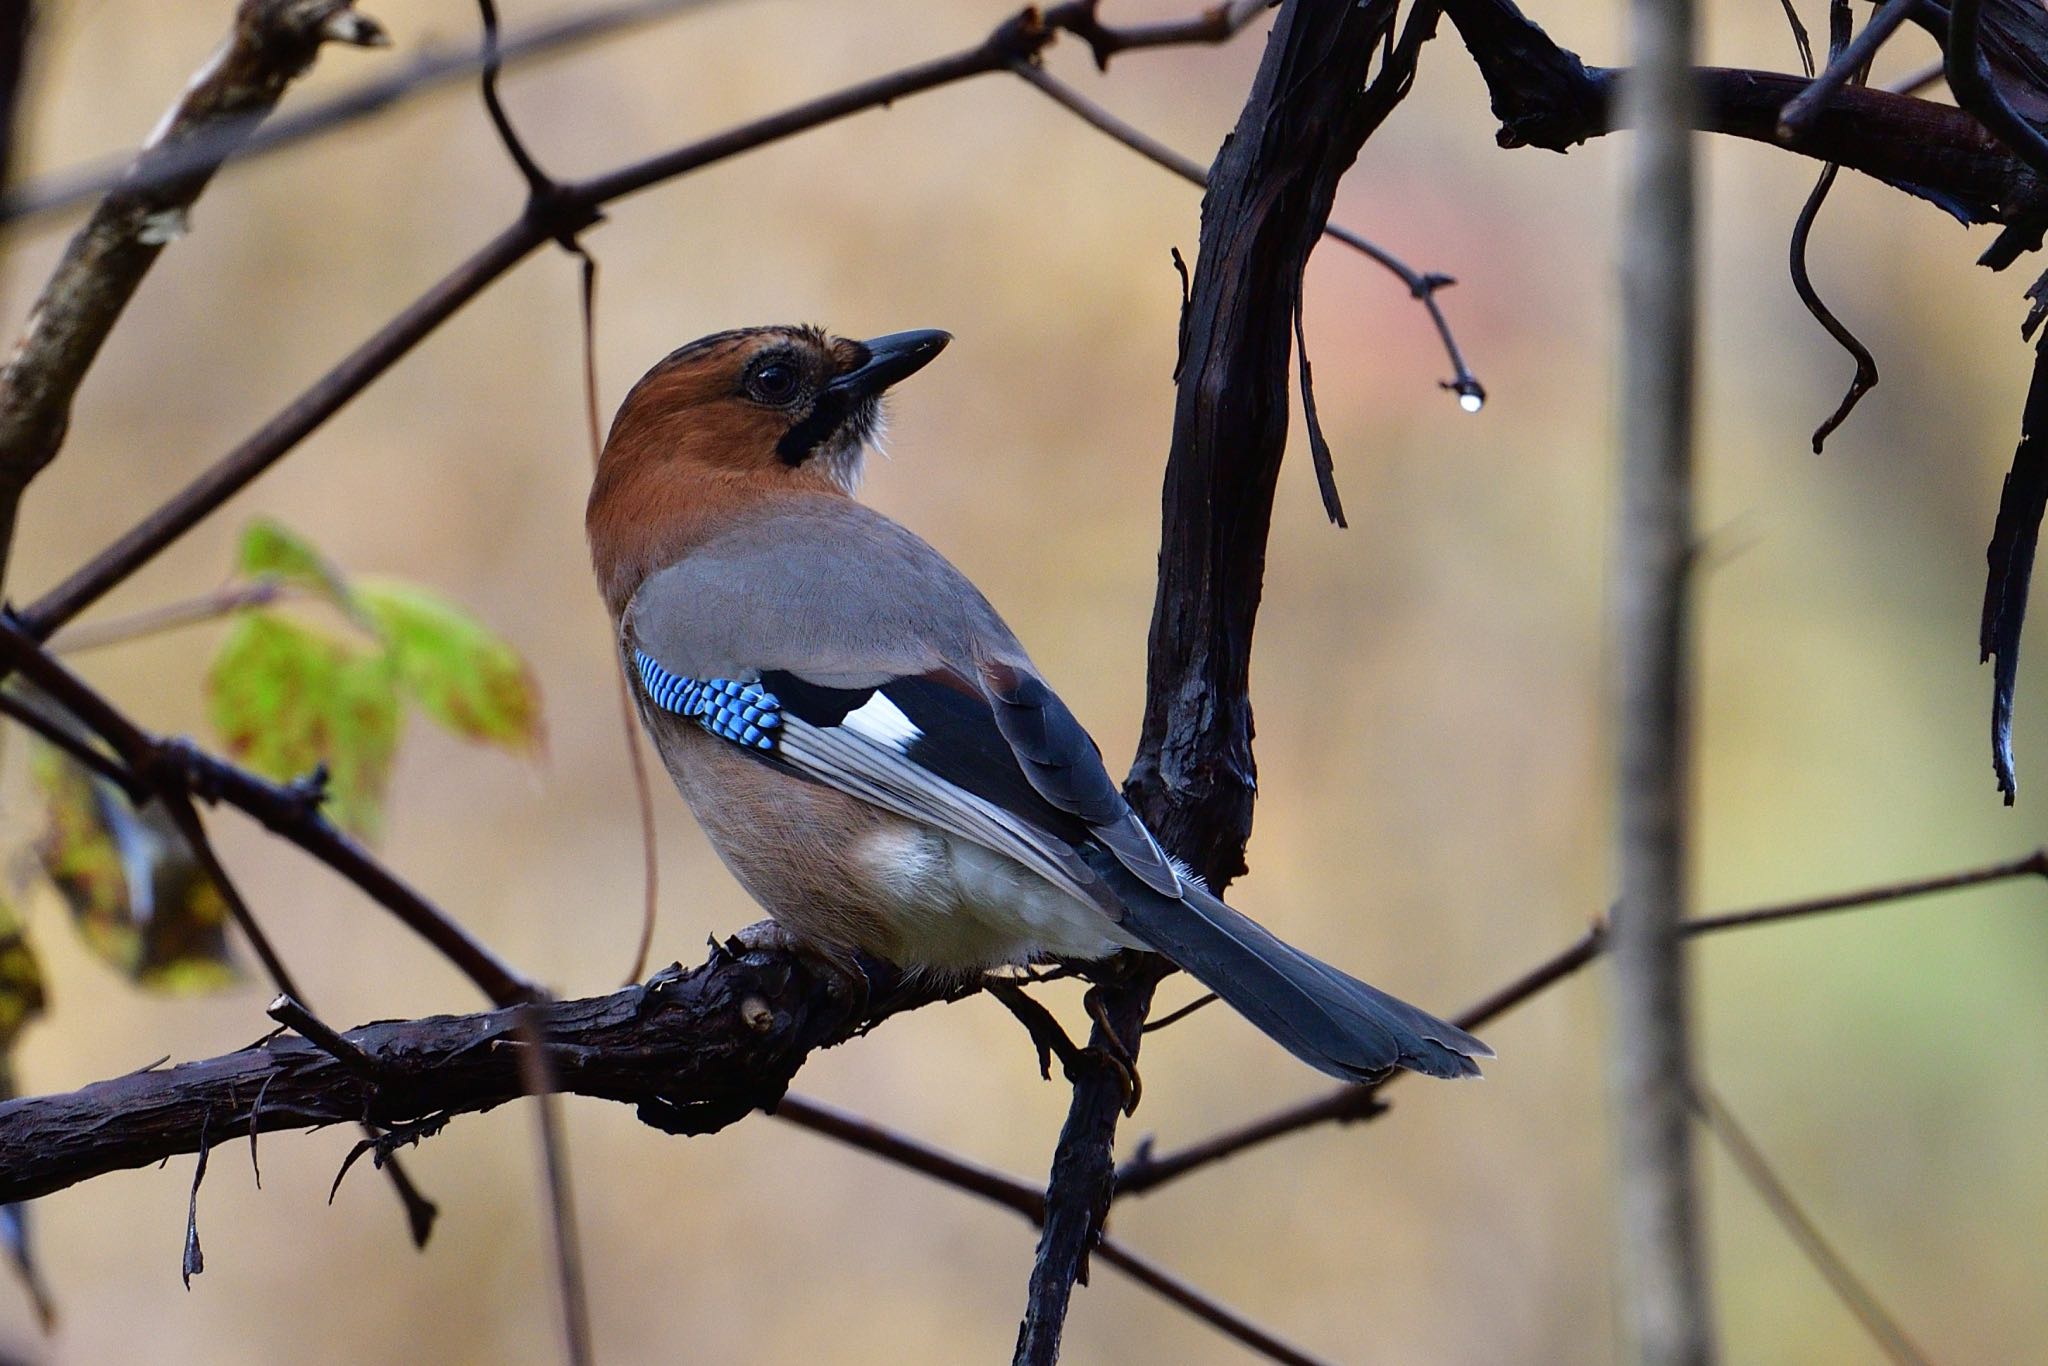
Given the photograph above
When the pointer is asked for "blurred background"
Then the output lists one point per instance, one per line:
(1429, 687)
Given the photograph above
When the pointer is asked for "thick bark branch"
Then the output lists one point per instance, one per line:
(1268, 202)
(1545, 96)
(693, 1050)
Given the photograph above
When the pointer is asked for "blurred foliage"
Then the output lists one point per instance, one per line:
(138, 895)
(21, 986)
(288, 698)
(455, 670)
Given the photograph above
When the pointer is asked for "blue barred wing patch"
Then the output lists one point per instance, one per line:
(744, 713)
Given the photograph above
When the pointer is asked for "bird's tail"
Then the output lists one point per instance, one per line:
(1327, 1018)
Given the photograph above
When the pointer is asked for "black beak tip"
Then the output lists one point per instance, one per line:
(894, 357)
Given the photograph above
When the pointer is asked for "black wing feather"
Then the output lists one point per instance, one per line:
(959, 740)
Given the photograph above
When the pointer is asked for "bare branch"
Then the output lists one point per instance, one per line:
(234, 141)
(271, 44)
(1147, 1171)
(537, 1077)
(573, 207)
(1021, 1198)
(175, 766)
(1422, 287)
(1913, 82)
(221, 602)
(1269, 198)
(1666, 1316)
(1855, 1296)
(1545, 96)
(694, 1051)
(1847, 66)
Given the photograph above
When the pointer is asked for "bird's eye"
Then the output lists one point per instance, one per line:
(775, 382)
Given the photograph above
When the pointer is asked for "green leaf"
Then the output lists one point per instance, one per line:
(138, 896)
(461, 673)
(270, 550)
(285, 698)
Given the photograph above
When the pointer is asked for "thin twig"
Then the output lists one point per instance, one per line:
(1203, 1306)
(1422, 287)
(186, 818)
(96, 760)
(420, 1212)
(1846, 66)
(175, 765)
(536, 1068)
(1841, 46)
(537, 1075)
(1147, 1171)
(1913, 82)
(1861, 1302)
(223, 601)
(236, 142)
(538, 182)
(1207, 998)
(1022, 1198)
(629, 714)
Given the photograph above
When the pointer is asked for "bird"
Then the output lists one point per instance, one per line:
(867, 746)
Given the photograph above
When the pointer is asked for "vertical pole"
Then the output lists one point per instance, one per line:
(1665, 1318)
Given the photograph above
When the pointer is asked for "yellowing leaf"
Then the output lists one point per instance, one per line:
(286, 698)
(139, 898)
(21, 980)
(270, 550)
(459, 672)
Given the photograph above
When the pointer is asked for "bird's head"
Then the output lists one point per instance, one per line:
(777, 403)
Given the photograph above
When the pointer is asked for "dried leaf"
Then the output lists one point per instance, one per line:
(458, 671)
(286, 698)
(139, 898)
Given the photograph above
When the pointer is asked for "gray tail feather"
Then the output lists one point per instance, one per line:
(1327, 1018)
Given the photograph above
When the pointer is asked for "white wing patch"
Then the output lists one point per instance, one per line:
(882, 721)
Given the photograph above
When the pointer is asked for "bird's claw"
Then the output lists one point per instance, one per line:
(1111, 1051)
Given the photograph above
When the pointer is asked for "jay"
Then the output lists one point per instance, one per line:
(869, 749)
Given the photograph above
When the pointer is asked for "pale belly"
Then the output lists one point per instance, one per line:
(842, 875)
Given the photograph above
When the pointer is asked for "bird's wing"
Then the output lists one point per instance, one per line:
(892, 679)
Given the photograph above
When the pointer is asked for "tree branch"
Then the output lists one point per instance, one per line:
(693, 1050)
(571, 208)
(1268, 201)
(239, 140)
(175, 767)
(1421, 287)
(1545, 96)
(1017, 1196)
(1148, 1171)
(271, 44)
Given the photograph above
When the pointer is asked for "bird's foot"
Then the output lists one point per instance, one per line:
(1052, 1041)
(842, 975)
(1113, 1052)
(1045, 1031)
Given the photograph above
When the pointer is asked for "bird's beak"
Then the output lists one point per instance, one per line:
(894, 357)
